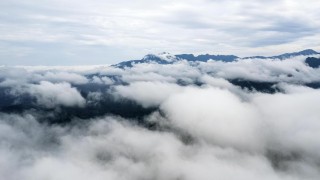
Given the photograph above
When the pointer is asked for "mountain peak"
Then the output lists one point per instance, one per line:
(308, 52)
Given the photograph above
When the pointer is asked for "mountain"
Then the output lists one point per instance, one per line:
(162, 58)
(307, 52)
(313, 62)
(167, 58)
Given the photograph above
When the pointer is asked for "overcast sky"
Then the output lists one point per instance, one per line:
(60, 32)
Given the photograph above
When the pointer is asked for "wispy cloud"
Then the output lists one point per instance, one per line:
(115, 30)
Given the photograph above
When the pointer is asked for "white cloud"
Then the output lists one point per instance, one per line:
(216, 116)
(293, 118)
(271, 70)
(103, 80)
(148, 93)
(50, 95)
(111, 148)
(23, 75)
(64, 77)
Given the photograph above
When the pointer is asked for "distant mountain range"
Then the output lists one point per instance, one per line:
(167, 58)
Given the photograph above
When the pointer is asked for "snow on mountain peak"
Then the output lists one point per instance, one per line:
(164, 56)
(167, 56)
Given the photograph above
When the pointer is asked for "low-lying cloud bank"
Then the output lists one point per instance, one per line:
(249, 119)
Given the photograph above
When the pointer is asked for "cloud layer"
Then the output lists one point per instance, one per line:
(248, 119)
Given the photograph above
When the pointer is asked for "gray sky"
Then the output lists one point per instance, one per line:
(73, 32)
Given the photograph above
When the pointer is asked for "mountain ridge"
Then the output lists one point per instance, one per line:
(167, 58)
